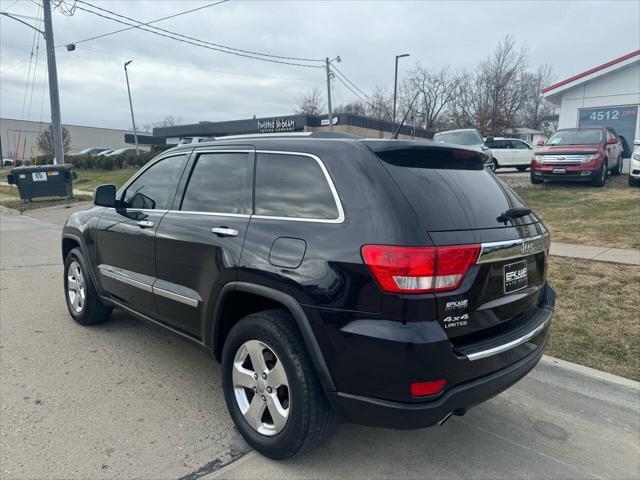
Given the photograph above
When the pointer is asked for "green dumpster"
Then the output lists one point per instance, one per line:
(43, 181)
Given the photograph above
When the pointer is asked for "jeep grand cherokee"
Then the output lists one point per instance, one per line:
(384, 282)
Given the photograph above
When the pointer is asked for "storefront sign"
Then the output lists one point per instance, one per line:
(276, 125)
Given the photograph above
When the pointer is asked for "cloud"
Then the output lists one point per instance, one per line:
(171, 78)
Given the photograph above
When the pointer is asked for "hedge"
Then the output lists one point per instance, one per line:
(104, 162)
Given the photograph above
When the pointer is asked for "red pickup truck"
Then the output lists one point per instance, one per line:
(578, 154)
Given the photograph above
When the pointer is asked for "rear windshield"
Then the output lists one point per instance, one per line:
(450, 197)
(576, 137)
(458, 138)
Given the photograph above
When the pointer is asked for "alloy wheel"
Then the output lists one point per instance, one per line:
(76, 287)
(261, 387)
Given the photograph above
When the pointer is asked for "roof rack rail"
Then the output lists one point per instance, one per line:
(289, 135)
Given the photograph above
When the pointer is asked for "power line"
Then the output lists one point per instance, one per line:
(204, 69)
(349, 81)
(218, 47)
(147, 23)
(197, 44)
(352, 90)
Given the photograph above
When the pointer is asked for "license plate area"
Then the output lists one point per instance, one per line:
(516, 276)
(560, 170)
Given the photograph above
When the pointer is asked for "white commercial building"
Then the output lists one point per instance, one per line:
(605, 96)
(18, 138)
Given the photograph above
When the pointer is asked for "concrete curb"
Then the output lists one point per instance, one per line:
(590, 372)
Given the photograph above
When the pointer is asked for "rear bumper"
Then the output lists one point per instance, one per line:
(383, 413)
(475, 372)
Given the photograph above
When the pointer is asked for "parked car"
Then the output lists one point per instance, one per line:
(634, 165)
(105, 153)
(91, 152)
(385, 282)
(510, 152)
(578, 154)
(128, 152)
(469, 138)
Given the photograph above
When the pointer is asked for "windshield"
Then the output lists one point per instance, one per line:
(576, 137)
(469, 137)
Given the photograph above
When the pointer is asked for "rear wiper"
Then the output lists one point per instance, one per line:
(513, 213)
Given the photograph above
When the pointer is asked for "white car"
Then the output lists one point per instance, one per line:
(634, 165)
(469, 138)
(510, 152)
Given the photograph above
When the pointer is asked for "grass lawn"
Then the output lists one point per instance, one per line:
(89, 179)
(596, 321)
(608, 217)
(10, 198)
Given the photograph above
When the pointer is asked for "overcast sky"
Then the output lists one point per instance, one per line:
(172, 78)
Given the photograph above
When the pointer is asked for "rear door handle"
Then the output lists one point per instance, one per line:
(225, 232)
(145, 224)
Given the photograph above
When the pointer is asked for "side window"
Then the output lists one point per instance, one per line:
(292, 186)
(220, 183)
(155, 187)
(517, 144)
(500, 144)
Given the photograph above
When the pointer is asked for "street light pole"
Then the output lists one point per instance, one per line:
(133, 120)
(395, 85)
(56, 125)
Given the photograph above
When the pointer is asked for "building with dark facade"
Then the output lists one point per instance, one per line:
(342, 122)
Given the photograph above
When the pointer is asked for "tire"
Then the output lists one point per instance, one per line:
(522, 169)
(87, 309)
(601, 177)
(617, 170)
(534, 180)
(633, 182)
(309, 418)
(494, 165)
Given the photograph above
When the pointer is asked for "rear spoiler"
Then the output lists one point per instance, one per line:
(419, 154)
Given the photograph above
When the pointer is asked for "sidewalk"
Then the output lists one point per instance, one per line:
(628, 256)
(75, 190)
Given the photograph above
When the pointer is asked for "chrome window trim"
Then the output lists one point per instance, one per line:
(107, 271)
(510, 249)
(472, 357)
(334, 192)
(192, 302)
(216, 214)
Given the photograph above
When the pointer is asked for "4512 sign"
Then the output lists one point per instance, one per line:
(622, 119)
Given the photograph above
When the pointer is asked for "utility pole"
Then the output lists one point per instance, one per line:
(328, 68)
(53, 84)
(395, 86)
(328, 63)
(133, 120)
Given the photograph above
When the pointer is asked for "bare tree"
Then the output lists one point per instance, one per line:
(493, 97)
(168, 121)
(44, 141)
(436, 92)
(311, 103)
(357, 107)
(380, 106)
(537, 110)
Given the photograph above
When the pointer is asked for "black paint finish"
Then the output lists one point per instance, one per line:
(367, 345)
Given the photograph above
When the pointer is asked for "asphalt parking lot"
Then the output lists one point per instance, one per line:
(124, 400)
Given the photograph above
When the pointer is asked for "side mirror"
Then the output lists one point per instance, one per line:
(540, 143)
(105, 196)
(612, 141)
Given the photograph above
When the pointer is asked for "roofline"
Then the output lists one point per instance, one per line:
(591, 71)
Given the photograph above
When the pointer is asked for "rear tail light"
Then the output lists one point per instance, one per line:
(419, 269)
(423, 389)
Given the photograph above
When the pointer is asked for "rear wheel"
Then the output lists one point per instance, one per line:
(82, 299)
(271, 388)
(601, 176)
(617, 170)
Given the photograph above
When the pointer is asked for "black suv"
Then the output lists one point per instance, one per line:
(385, 282)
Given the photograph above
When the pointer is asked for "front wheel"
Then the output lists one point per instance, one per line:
(534, 180)
(82, 299)
(601, 176)
(271, 388)
(633, 182)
